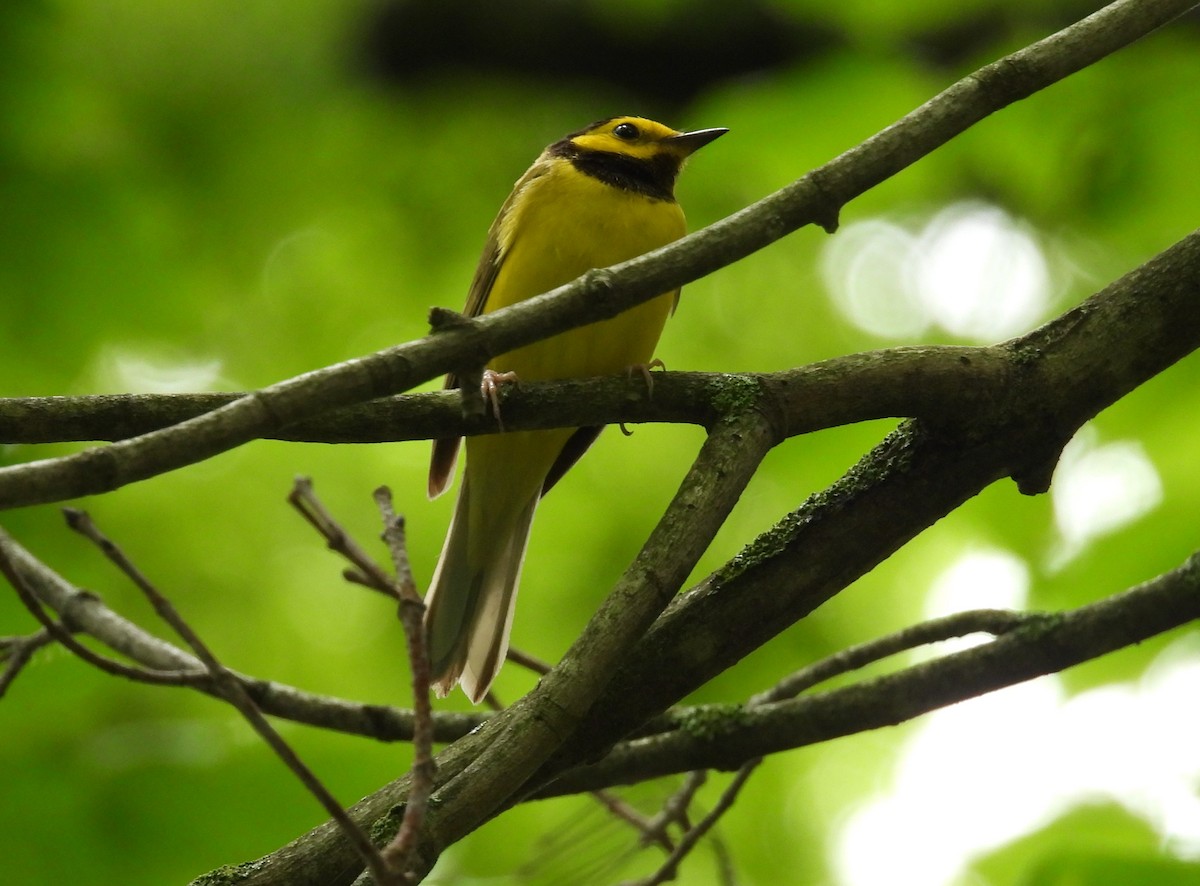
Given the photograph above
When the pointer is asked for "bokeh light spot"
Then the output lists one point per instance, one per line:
(980, 273)
(1098, 489)
(865, 266)
(973, 271)
(142, 372)
(982, 774)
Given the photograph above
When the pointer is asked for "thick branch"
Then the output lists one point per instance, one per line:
(482, 776)
(1062, 375)
(899, 383)
(483, 769)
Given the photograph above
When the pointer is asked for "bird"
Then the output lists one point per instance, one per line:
(595, 197)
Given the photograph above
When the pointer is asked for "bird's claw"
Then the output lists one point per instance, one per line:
(489, 389)
(644, 369)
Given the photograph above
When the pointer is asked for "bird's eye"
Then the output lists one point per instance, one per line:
(626, 131)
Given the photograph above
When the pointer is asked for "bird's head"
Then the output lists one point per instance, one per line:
(641, 138)
(633, 153)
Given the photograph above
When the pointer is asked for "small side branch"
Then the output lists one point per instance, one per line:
(399, 852)
(397, 855)
(16, 652)
(235, 693)
(1042, 643)
(59, 631)
(991, 621)
(84, 611)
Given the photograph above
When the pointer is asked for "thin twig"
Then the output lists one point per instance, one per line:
(17, 652)
(396, 855)
(674, 810)
(367, 572)
(235, 693)
(961, 624)
(397, 544)
(646, 826)
(990, 621)
(86, 612)
(692, 837)
(59, 631)
(412, 616)
(726, 875)
(527, 661)
(689, 840)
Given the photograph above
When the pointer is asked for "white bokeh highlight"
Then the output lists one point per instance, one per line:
(135, 371)
(980, 273)
(1098, 489)
(972, 271)
(979, 775)
(865, 265)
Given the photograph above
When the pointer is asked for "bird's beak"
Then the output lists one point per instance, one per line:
(688, 142)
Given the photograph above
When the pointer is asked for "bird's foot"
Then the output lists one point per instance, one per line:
(489, 389)
(644, 369)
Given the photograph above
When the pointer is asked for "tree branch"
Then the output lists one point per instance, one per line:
(227, 685)
(1060, 376)
(893, 383)
(727, 736)
(16, 652)
(482, 772)
(85, 611)
(469, 343)
(912, 479)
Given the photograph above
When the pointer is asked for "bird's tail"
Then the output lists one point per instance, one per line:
(469, 607)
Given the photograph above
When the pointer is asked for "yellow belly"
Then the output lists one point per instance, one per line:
(566, 225)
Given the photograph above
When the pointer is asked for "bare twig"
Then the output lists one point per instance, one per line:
(960, 624)
(647, 827)
(991, 621)
(396, 855)
(1049, 643)
(527, 661)
(59, 631)
(397, 544)
(235, 693)
(366, 571)
(726, 876)
(674, 811)
(692, 837)
(412, 614)
(86, 612)
(16, 652)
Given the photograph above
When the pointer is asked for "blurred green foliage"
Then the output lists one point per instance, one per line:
(216, 194)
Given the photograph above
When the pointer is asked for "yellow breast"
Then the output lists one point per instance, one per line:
(563, 224)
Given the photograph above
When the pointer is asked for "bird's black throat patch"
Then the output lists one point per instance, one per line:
(653, 178)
